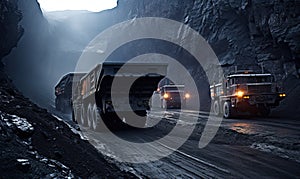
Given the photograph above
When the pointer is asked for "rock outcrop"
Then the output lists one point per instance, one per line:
(241, 32)
(35, 144)
(9, 29)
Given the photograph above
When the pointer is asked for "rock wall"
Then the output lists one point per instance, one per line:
(9, 29)
(241, 32)
(10, 32)
(247, 32)
(26, 62)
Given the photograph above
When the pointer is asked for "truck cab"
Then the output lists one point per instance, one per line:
(247, 92)
(169, 96)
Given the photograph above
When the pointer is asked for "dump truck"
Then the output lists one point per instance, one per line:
(93, 105)
(245, 92)
(63, 91)
(169, 96)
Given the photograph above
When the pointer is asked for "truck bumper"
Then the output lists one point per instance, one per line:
(252, 101)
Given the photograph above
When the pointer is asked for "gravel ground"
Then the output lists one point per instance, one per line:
(34, 144)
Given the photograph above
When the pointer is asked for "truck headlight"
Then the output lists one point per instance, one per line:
(187, 96)
(282, 95)
(166, 96)
(239, 94)
(246, 97)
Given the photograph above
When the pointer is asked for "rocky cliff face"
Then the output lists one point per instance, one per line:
(241, 32)
(33, 143)
(9, 29)
(251, 32)
(25, 62)
(10, 32)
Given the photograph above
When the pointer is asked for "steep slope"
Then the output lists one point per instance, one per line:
(33, 143)
(32, 49)
(243, 33)
(9, 29)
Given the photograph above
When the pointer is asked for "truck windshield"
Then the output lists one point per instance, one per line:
(254, 79)
(173, 89)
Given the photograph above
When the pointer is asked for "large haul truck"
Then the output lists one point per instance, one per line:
(63, 91)
(169, 96)
(245, 92)
(93, 105)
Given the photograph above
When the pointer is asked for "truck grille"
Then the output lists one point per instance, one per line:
(259, 89)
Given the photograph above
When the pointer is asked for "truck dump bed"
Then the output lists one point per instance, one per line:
(117, 87)
(103, 74)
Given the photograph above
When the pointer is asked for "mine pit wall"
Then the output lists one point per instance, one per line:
(241, 32)
(10, 31)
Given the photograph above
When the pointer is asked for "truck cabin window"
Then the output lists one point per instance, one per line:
(252, 79)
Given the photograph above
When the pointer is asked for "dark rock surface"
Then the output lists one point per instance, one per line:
(242, 32)
(9, 29)
(33, 143)
(34, 46)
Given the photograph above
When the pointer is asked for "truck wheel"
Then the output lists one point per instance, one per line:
(228, 111)
(97, 123)
(89, 115)
(216, 108)
(164, 104)
(83, 115)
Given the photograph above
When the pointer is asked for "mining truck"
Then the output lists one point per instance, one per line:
(93, 102)
(169, 96)
(245, 92)
(63, 91)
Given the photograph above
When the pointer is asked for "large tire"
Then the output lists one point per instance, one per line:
(89, 115)
(97, 123)
(227, 110)
(216, 108)
(83, 116)
(164, 104)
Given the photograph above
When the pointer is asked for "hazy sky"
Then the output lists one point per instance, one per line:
(90, 5)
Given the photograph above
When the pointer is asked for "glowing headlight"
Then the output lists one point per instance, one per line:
(187, 95)
(166, 96)
(239, 94)
(282, 95)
